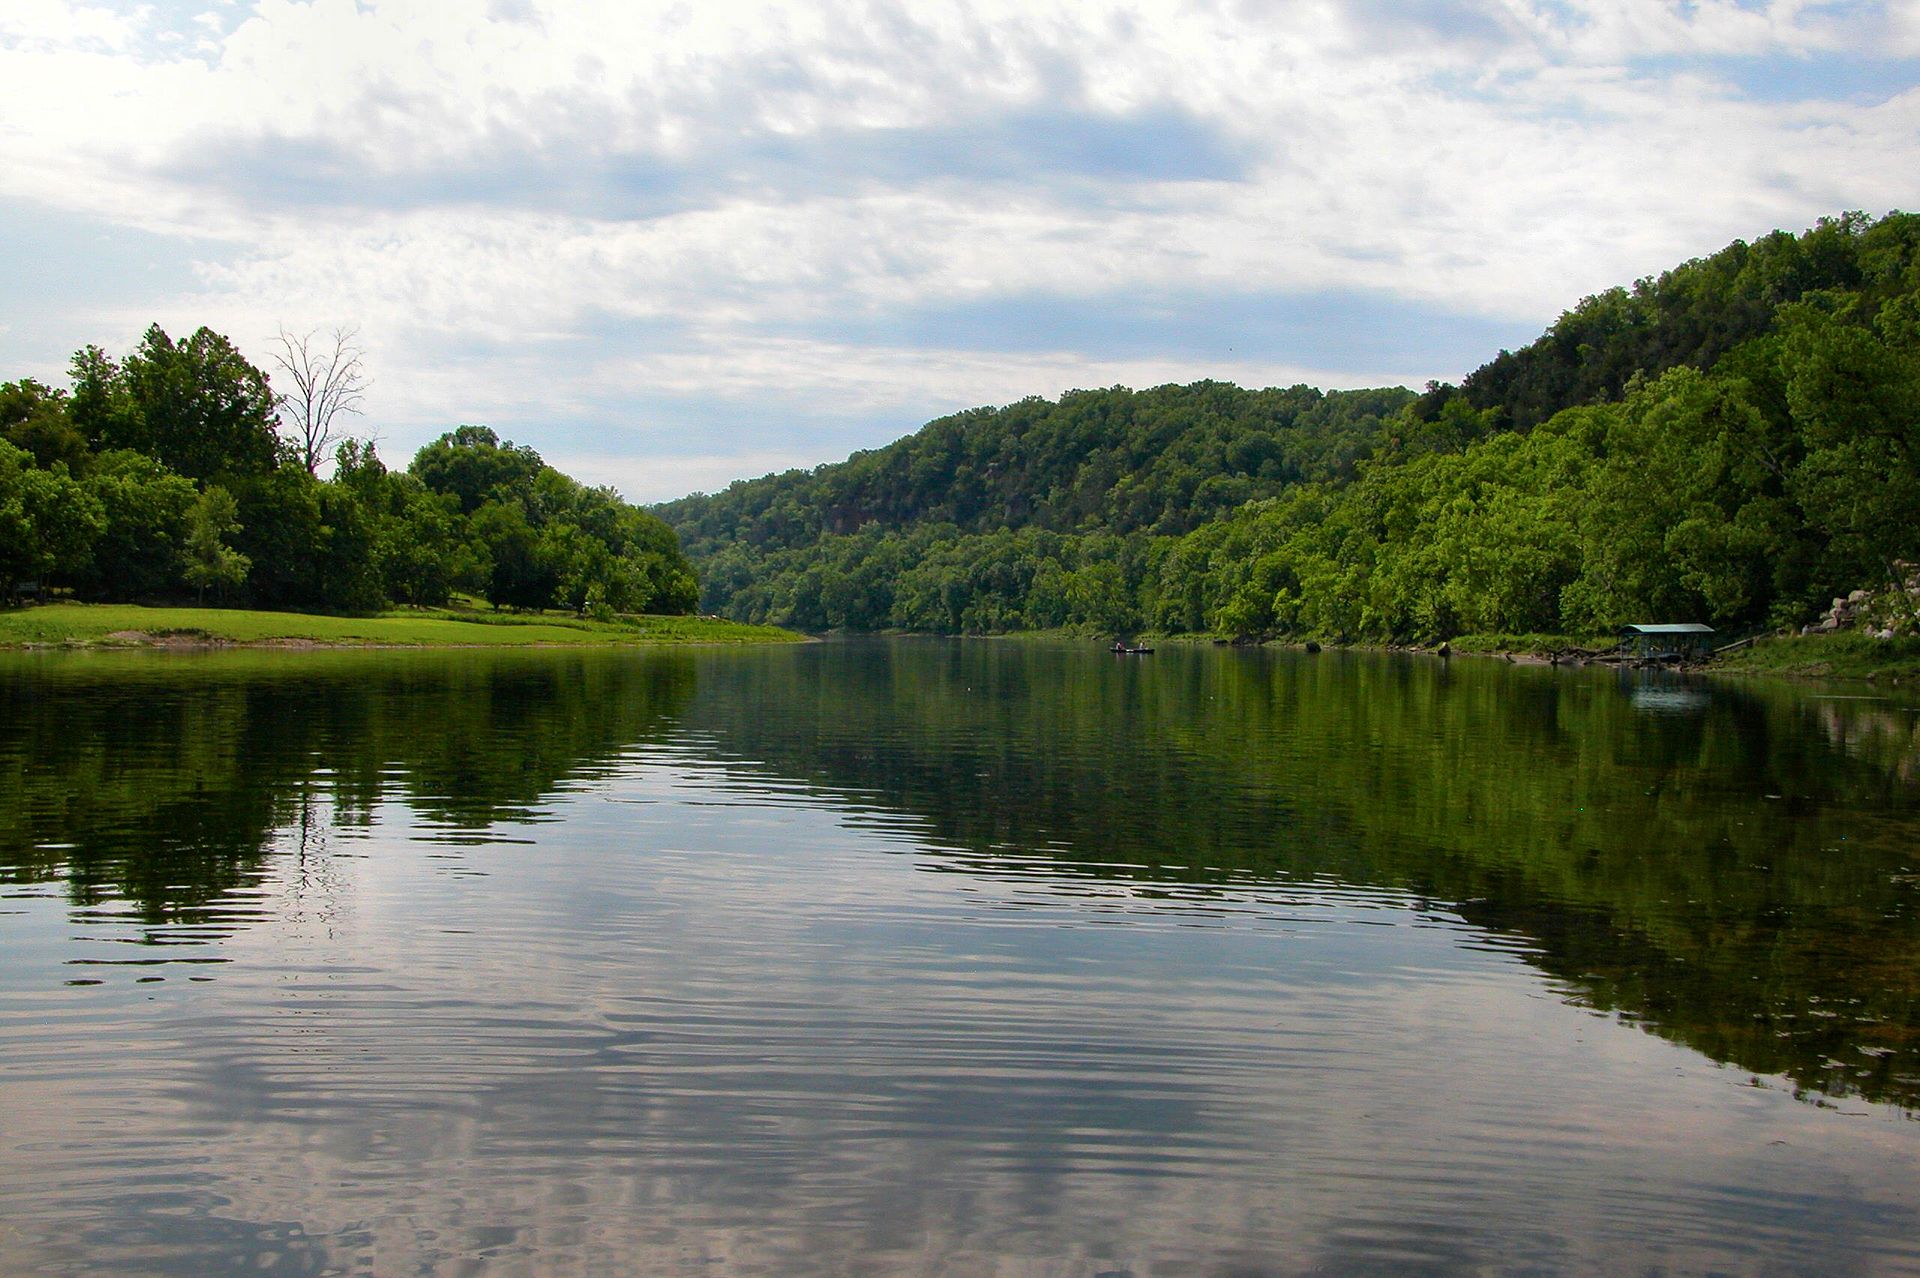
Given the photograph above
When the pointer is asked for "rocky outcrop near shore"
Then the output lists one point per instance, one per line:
(1882, 614)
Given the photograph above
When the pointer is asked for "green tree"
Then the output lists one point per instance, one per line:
(36, 419)
(1854, 392)
(473, 466)
(521, 576)
(348, 572)
(197, 406)
(48, 522)
(414, 531)
(145, 510)
(418, 549)
(210, 561)
(283, 536)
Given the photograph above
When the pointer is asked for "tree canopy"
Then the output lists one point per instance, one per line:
(165, 473)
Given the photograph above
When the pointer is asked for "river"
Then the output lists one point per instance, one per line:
(951, 958)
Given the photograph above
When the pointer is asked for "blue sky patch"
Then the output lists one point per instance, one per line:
(1043, 148)
(1865, 81)
(1316, 330)
(60, 268)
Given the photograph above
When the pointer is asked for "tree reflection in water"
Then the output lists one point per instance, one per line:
(1732, 867)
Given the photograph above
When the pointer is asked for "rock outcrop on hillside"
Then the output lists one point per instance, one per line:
(1882, 614)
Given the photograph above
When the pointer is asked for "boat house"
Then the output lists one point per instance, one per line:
(1687, 640)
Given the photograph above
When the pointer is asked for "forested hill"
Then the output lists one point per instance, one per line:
(1689, 316)
(1162, 460)
(1730, 442)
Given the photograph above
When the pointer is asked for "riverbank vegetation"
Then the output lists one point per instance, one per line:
(1735, 441)
(1836, 656)
(166, 476)
(132, 625)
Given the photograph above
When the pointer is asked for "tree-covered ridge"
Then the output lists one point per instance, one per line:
(1037, 515)
(1689, 316)
(165, 474)
(1735, 442)
(1162, 461)
(1744, 496)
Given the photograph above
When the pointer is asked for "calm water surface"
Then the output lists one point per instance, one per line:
(953, 959)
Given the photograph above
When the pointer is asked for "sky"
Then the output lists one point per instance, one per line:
(675, 244)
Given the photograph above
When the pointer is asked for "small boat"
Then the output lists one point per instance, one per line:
(1136, 651)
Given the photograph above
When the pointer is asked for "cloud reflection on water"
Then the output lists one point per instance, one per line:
(811, 966)
(806, 1056)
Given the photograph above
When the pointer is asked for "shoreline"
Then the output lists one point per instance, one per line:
(78, 627)
(1802, 658)
(70, 627)
(1847, 656)
(184, 643)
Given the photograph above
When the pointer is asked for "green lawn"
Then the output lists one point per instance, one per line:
(132, 624)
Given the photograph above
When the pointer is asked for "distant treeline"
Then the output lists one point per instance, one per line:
(164, 475)
(1733, 442)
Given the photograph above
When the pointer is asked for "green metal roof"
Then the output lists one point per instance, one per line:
(1684, 628)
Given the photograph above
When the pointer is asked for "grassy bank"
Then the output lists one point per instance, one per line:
(1847, 655)
(1532, 642)
(110, 625)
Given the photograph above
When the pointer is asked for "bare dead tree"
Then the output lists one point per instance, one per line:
(327, 379)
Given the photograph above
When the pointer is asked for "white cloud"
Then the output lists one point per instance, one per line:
(498, 196)
(51, 26)
(1903, 28)
(662, 478)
